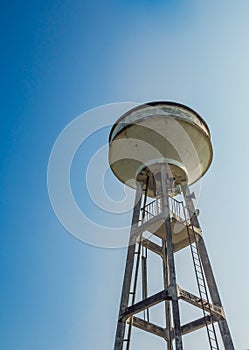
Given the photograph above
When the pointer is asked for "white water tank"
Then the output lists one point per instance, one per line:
(160, 132)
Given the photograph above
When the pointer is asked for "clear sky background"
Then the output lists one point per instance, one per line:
(62, 58)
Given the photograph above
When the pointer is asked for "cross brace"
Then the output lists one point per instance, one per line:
(144, 304)
(196, 301)
(148, 327)
(162, 332)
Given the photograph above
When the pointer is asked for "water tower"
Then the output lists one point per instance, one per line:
(160, 149)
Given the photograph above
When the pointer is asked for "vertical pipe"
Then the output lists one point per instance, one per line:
(145, 282)
(145, 196)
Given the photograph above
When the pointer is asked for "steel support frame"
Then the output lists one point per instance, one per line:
(171, 293)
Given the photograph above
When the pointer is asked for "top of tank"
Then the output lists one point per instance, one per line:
(158, 108)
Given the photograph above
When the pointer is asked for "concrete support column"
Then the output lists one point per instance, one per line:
(171, 262)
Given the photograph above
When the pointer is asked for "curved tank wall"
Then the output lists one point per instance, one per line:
(156, 133)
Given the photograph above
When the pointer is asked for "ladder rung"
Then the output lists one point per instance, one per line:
(204, 298)
(203, 291)
(200, 278)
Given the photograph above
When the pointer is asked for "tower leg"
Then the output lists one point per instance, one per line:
(171, 262)
(213, 289)
(167, 302)
(223, 326)
(120, 332)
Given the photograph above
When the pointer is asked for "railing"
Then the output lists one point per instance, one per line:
(151, 210)
(177, 209)
(154, 208)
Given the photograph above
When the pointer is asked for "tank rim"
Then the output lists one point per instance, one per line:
(157, 103)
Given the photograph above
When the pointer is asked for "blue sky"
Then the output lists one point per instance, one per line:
(60, 59)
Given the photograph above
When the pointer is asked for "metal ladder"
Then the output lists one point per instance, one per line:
(132, 293)
(137, 253)
(201, 284)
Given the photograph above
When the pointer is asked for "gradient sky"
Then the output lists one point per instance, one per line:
(62, 58)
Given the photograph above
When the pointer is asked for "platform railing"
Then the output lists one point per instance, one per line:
(151, 210)
(177, 209)
(154, 208)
